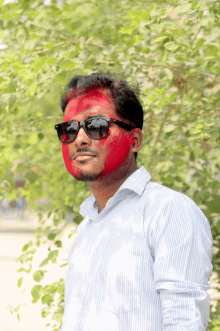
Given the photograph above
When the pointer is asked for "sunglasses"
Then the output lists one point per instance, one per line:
(95, 128)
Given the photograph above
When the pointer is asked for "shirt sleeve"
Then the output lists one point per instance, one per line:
(181, 245)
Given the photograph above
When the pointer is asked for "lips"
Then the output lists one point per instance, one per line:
(82, 154)
(84, 157)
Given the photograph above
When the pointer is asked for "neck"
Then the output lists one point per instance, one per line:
(104, 188)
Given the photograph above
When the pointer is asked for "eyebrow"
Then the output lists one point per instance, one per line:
(91, 116)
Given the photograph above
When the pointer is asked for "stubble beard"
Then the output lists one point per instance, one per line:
(87, 178)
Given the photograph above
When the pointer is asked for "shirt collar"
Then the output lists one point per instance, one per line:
(136, 182)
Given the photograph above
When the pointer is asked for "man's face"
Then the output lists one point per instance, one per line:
(110, 152)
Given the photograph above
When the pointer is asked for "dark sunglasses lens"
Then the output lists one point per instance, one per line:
(68, 132)
(97, 128)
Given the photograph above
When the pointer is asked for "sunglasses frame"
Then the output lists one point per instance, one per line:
(58, 127)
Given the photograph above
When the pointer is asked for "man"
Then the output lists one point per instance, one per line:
(141, 258)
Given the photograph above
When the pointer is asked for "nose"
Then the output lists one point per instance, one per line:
(82, 137)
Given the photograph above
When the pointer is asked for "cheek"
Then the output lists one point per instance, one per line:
(117, 150)
(73, 170)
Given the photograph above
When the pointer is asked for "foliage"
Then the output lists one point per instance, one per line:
(170, 48)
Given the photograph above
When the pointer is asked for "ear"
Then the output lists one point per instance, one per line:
(137, 136)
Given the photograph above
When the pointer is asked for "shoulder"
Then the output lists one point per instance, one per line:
(160, 195)
(165, 206)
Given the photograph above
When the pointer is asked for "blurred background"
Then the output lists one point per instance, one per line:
(170, 51)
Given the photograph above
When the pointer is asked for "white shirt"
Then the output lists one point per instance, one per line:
(141, 264)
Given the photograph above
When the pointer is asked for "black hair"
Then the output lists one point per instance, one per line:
(125, 97)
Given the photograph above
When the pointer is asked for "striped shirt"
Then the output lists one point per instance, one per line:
(141, 264)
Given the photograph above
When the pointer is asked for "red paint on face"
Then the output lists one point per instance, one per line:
(115, 147)
(78, 105)
(118, 149)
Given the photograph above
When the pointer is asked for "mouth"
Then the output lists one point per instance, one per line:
(84, 158)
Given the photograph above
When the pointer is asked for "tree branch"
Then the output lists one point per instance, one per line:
(56, 33)
(47, 50)
(161, 126)
(194, 38)
(192, 167)
(38, 120)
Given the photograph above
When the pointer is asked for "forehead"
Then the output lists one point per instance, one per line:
(94, 103)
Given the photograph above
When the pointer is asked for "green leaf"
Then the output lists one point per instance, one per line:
(178, 178)
(23, 269)
(57, 220)
(68, 64)
(39, 64)
(36, 293)
(192, 156)
(33, 36)
(192, 16)
(171, 46)
(16, 309)
(40, 136)
(33, 139)
(40, 216)
(26, 246)
(51, 236)
(160, 39)
(180, 163)
(155, 11)
(45, 313)
(18, 317)
(47, 299)
(169, 128)
(57, 316)
(53, 255)
(12, 102)
(12, 86)
(49, 214)
(183, 8)
(58, 243)
(127, 30)
(214, 204)
(31, 176)
(20, 281)
(51, 60)
(31, 90)
(38, 275)
(44, 262)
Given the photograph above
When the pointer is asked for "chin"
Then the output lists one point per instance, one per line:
(85, 177)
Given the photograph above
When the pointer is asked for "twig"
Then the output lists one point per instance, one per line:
(49, 117)
(161, 126)
(47, 50)
(37, 120)
(194, 38)
(192, 167)
(62, 36)
(58, 34)
(100, 47)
